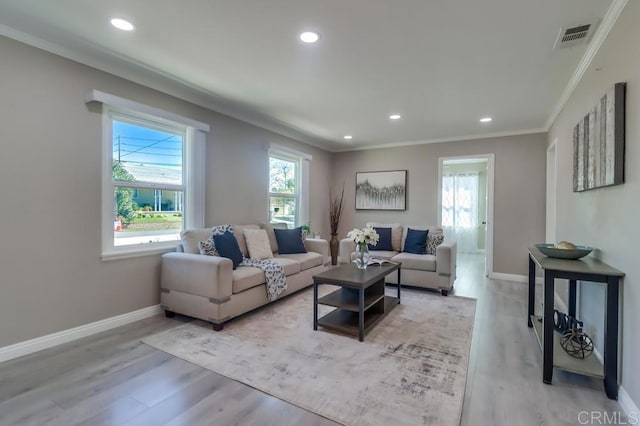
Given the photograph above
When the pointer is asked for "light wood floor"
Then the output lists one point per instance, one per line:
(113, 379)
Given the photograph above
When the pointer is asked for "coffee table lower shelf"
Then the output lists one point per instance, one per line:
(347, 321)
(590, 366)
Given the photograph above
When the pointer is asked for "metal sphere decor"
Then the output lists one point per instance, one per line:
(577, 344)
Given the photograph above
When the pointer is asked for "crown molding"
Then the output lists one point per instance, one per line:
(123, 66)
(600, 36)
(440, 140)
(138, 72)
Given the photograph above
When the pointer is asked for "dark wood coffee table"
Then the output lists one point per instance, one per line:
(360, 302)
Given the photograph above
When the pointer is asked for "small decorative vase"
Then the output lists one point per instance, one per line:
(361, 256)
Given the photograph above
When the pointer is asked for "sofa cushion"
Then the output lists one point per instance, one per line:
(290, 266)
(306, 260)
(290, 241)
(227, 246)
(269, 227)
(396, 233)
(433, 241)
(420, 262)
(191, 239)
(238, 231)
(258, 244)
(208, 248)
(383, 254)
(433, 230)
(384, 242)
(246, 277)
(416, 241)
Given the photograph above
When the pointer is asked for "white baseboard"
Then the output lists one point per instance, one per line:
(509, 277)
(39, 343)
(513, 277)
(629, 407)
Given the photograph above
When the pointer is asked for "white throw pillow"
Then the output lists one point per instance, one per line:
(258, 244)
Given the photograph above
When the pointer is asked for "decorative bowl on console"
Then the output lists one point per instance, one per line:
(559, 252)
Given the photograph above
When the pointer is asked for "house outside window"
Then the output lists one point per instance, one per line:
(152, 176)
(148, 180)
(284, 190)
(288, 187)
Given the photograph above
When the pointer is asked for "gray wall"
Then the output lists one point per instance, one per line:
(606, 218)
(51, 274)
(519, 211)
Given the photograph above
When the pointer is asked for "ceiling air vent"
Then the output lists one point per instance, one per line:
(576, 34)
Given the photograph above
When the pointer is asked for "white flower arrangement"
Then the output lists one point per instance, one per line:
(362, 236)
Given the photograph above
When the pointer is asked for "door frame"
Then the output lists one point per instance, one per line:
(551, 197)
(490, 201)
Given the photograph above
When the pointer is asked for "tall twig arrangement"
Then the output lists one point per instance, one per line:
(335, 211)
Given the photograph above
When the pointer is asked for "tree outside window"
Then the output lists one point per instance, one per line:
(283, 191)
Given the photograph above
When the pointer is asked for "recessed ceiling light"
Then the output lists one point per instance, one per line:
(394, 116)
(121, 24)
(348, 137)
(486, 120)
(309, 37)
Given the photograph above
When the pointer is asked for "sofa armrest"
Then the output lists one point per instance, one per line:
(446, 254)
(347, 246)
(197, 274)
(317, 245)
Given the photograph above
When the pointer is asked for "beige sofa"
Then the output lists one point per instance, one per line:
(419, 270)
(208, 288)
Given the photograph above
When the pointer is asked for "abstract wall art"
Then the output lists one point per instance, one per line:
(598, 143)
(381, 190)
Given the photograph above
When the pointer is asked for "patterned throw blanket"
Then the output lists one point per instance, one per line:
(274, 273)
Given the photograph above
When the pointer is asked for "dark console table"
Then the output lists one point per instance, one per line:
(586, 269)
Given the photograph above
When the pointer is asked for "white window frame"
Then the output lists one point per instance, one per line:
(193, 169)
(303, 162)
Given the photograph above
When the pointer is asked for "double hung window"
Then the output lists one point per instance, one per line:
(152, 176)
(148, 179)
(288, 186)
(284, 190)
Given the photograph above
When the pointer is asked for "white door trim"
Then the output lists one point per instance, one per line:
(551, 191)
(490, 200)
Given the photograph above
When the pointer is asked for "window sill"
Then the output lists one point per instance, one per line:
(132, 252)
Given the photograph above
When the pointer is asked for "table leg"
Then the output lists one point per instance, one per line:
(361, 315)
(315, 305)
(532, 290)
(398, 285)
(611, 339)
(547, 328)
(572, 298)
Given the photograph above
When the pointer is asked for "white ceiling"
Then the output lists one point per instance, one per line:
(441, 64)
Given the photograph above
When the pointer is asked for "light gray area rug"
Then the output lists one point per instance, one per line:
(411, 369)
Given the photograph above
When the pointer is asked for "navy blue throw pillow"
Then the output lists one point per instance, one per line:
(228, 247)
(384, 242)
(416, 241)
(290, 241)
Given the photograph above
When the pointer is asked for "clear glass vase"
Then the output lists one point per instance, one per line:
(361, 256)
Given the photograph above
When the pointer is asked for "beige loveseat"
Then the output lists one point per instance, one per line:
(208, 288)
(419, 270)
